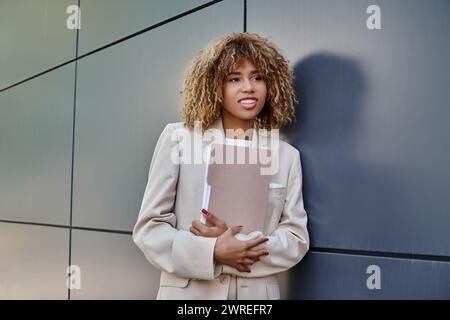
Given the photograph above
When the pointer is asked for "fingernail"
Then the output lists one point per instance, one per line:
(205, 212)
(240, 226)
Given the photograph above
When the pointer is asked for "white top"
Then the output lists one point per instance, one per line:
(238, 142)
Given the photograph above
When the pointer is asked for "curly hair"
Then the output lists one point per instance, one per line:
(202, 96)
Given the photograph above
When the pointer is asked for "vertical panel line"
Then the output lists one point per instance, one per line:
(73, 150)
(245, 15)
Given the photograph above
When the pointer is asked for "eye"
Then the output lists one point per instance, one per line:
(233, 79)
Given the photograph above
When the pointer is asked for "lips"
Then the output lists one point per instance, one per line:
(248, 102)
(248, 98)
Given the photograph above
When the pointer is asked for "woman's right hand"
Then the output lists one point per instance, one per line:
(238, 254)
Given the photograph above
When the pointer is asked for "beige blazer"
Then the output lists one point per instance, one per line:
(173, 199)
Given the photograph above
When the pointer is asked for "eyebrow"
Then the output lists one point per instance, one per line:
(238, 73)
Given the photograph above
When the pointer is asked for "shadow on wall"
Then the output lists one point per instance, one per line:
(329, 89)
(341, 190)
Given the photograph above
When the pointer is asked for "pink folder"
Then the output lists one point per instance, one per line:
(236, 192)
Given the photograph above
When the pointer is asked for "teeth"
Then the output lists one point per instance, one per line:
(250, 101)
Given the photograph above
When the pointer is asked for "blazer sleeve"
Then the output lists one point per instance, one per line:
(289, 243)
(174, 251)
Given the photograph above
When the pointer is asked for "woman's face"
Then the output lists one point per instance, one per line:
(244, 93)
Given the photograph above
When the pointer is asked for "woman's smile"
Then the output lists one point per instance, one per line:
(248, 103)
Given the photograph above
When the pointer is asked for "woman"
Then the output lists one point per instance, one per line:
(238, 82)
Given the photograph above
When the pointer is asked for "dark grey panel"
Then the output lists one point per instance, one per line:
(372, 119)
(125, 97)
(104, 21)
(33, 37)
(344, 276)
(33, 262)
(36, 148)
(112, 267)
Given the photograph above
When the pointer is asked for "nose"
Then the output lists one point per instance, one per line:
(247, 86)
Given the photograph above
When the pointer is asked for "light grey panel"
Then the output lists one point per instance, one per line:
(36, 148)
(125, 97)
(33, 262)
(372, 119)
(33, 37)
(105, 21)
(112, 267)
(343, 276)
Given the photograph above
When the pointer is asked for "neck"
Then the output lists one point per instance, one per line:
(238, 128)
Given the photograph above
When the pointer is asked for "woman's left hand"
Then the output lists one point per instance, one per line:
(214, 227)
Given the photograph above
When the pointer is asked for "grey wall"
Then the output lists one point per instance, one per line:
(80, 113)
(76, 137)
(373, 134)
